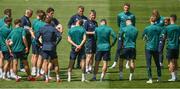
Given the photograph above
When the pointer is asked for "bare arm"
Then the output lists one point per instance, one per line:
(60, 28)
(83, 41)
(71, 42)
(25, 43)
(7, 44)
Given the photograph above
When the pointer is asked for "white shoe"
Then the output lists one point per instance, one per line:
(33, 73)
(50, 78)
(130, 77)
(7, 79)
(69, 80)
(149, 81)
(127, 65)
(101, 79)
(23, 70)
(113, 66)
(161, 64)
(42, 71)
(172, 80)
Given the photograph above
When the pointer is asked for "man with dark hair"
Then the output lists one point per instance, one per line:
(103, 33)
(19, 47)
(172, 34)
(50, 39)
(7, 13)
(72, 22)
(151, 36)
(77, 39)
(78, 16)
(55, 23)
(4, 32)
(36, 59)
(121, 22)
(26, 24)
(90, 46)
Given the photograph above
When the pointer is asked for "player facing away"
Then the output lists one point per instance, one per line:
(159, 22)
(7, 13)
(103, 33)
(172, 34)
(151, 36)
(72, 22)
(90, 46)
(121, 22)
(18, 46)
(162, 40)
(128, 35)
(4, 32)
(26, 24)
(50, 39)
(77, 39)
(36, 58)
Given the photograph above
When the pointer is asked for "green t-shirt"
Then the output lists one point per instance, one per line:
(16, 36)
(76, 34)
(2, 23)
(37, 24)
(122, 17)
(172, 33)
(103, 34)
(151, 35)
(4, 32)
(160, 21)
(129, 35)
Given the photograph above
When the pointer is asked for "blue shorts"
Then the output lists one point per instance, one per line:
(129, 53)
(35, 49)
(105, 55)
(48, 55)
(90, 46)
(6, 55)
(81, 54)
(172, 54)
(20, 55)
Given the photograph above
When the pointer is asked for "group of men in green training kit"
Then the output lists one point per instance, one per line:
(88, 41)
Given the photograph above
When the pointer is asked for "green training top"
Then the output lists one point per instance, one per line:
(76, 34)
(172, 33)
(37, 24)
(102, 36)
(4, 32)
(129, 35)
(151, 35)
(16, 36)
(2, 22)
(122, 17)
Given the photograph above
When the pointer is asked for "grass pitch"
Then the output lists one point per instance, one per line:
(108, 9)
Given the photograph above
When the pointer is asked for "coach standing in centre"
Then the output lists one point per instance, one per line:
(72, 23)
